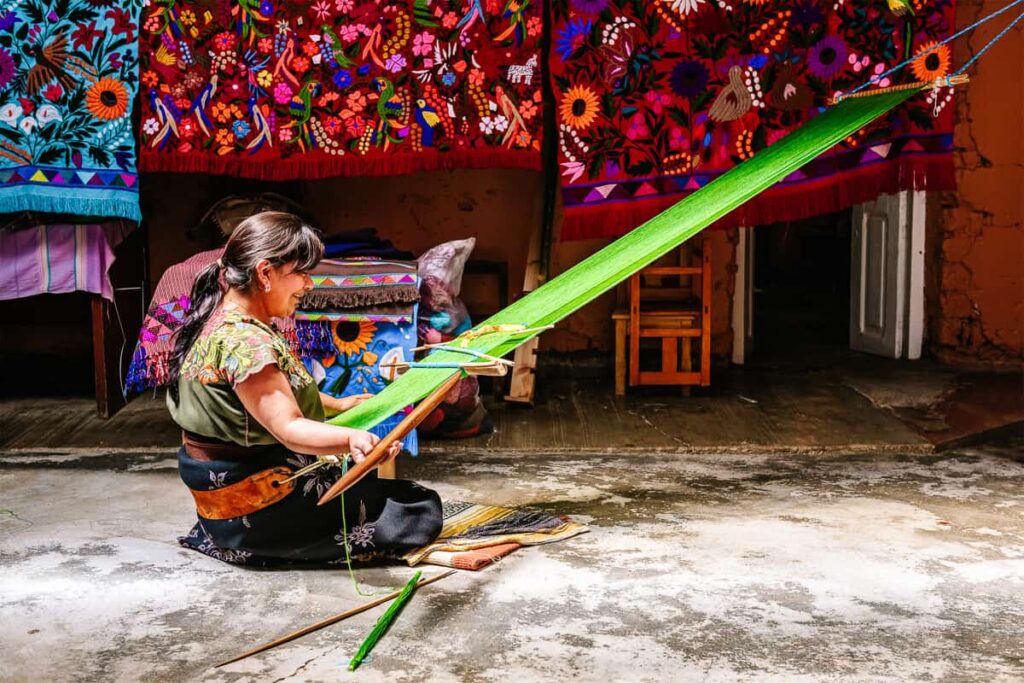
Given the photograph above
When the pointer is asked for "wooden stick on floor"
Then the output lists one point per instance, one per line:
(332, 620)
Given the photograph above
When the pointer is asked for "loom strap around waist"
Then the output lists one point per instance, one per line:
(244, 497)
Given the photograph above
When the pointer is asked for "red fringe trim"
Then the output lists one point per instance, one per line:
(314, 166)
(779, 203)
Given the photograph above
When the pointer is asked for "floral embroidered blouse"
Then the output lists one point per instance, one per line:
(232, 347)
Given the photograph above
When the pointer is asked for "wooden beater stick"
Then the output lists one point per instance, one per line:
(418, 414)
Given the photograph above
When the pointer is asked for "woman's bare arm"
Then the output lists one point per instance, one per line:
(268, 398)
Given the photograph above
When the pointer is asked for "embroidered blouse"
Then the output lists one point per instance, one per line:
(232, 347)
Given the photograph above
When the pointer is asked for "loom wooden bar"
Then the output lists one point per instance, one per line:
(418, 414)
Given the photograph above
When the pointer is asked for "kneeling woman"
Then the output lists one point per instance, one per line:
(248, 407)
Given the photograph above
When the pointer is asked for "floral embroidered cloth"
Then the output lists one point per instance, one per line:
(276, 90)
(68, 77)
(656, 99)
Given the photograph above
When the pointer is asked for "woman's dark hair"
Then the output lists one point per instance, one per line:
(278, 237)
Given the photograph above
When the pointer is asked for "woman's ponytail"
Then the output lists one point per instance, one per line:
(206, 296)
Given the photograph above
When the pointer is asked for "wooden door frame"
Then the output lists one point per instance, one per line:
(914, 318)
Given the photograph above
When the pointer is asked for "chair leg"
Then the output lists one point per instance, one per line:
(620, 357)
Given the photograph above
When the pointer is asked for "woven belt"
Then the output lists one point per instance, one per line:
(252, 494)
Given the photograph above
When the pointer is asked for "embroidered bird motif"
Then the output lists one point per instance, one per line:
(514, 11)
(336, 48)
(511, 112)
(474, 13)
(50, 62)
(734, 101)
(201, 102)
(262, 133)
(168, 124)
(429, 121)
(391, 110)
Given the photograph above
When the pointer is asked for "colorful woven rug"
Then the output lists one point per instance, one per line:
(54, 259)
(471, 526)
(68, 77)
(276, 90)
(656, 99)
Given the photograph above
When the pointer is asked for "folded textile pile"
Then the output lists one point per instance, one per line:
(442, 317)
(358, 320)
(472, 526)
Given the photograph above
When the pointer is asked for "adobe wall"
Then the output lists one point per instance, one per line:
(976, 252)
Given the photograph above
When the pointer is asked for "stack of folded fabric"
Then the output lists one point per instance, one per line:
(359, 318)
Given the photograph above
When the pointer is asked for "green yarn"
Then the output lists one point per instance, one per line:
(385, 620)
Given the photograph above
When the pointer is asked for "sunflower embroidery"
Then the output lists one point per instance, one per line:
(351, 337)
(107, 99)
(934, 64)
(579, 107)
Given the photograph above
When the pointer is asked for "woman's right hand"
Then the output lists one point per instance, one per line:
(361, 443)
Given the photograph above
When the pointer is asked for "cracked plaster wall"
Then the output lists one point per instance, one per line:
(976, 252)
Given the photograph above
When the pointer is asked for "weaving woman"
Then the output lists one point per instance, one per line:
(252, 416)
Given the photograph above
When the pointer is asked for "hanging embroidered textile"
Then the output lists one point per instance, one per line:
(55, 259)
(657, 99)
(68, 77)
(276, 90)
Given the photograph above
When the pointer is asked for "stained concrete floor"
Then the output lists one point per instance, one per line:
(725, 567)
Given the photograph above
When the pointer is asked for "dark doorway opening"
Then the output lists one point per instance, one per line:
(802, 291)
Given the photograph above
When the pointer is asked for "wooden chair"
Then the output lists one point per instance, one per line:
(664, 304)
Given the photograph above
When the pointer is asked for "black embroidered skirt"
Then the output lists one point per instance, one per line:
(385, 518)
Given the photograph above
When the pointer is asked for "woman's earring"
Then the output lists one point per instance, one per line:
(266, 287)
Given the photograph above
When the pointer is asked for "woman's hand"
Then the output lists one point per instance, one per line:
(333, 405)
(350, 402)
(361, 443)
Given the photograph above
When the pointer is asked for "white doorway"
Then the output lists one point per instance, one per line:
(879, 245)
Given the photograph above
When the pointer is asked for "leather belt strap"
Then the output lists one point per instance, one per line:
(252, 494)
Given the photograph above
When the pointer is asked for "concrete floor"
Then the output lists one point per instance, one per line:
(724, 567)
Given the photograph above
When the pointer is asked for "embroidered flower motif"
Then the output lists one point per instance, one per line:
(265, 79)
(47, 113)
(423, 44)
(590, 6)
(828, 57)
(351, 337)
(361, 535)
(322, 9)
(9, 114)
(395, 63)
(240, 129)
(107, 99)
(689, 78)
(285, 134)
(224, 137)
(150, 126)
(579, 107)
(572, 36)
(684, 7)
(53, 92)
(935, 64)
(282, 93)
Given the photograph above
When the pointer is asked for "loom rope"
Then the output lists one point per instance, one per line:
(933, 48)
